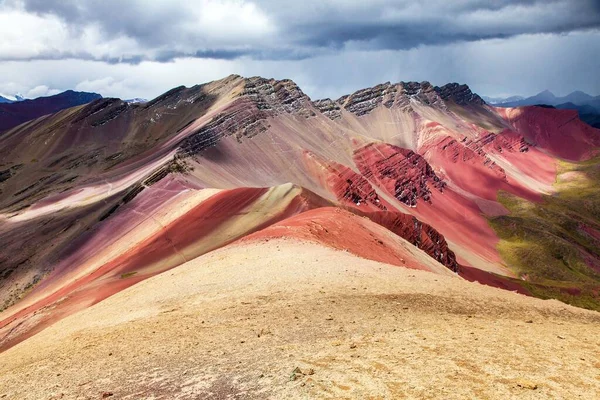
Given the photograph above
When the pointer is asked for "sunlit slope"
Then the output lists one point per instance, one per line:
(438, 155)
(289, 318)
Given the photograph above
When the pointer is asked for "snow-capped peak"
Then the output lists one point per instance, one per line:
(136, 100)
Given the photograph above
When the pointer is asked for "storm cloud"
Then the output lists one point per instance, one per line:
(139, 48)
(162, 30)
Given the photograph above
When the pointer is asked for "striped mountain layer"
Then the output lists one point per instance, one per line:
(96, 198)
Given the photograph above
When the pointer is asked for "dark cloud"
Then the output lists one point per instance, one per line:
(140, 48)
(164, 30)
(404, 25)
(147, 23)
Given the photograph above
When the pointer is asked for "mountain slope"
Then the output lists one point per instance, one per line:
(98, 197)
(286, 318)
(15, 113)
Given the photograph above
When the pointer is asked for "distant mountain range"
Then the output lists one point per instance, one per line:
(586, 105)
(136, 100)
(12, 99)
(500, 100)
(578, 98)
(4, 100)
(15, 112)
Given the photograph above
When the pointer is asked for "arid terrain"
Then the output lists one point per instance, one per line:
(309, 322)
(238, 239)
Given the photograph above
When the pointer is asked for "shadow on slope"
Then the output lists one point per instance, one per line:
(555, 245)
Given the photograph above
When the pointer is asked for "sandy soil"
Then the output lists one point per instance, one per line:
(290, 319)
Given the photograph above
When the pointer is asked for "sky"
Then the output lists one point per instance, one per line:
(140, 48)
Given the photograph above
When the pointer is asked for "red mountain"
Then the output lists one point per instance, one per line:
(97, 198)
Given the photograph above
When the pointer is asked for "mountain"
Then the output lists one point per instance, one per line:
(582, 109)
(545, 97)
(595, 103)
(587, 113)
(592, 119)
(136, 100)
(587, 106)
(499, 100)
(12, 99)
(241, 220)
(578, 98)
(20, 111)
(284, 319)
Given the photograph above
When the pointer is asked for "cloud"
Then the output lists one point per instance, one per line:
(521, 65)
(133, 31)
(40, 91)
(102, 85)
(139, 48)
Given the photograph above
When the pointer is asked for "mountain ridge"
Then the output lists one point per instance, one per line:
(409, 157)
(576, 97)
(586, 105)
(17, 112)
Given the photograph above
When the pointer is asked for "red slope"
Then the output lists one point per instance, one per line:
(67, 290)
(559, 132)
(343, 230)
(272, 134)
(457, 218)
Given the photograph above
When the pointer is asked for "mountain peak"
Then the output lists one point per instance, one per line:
(545, 97)
(400, 94)
(460, 94)
(546, 93)
(577, 97)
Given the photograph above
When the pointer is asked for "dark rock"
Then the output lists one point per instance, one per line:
(459, 94)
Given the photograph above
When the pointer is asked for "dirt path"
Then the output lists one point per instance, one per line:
(284, 319)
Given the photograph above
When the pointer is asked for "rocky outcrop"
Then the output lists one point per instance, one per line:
(402, 173)
(398, 95)
(419, 234)
(329, 108)
(9, 172)
(277, 96)
(243, 120)
(466, 150)
(501, 143)
(346, 185)
(364, 101)
(423, 93)
(102, 111)
(459, 94)
(248, 114)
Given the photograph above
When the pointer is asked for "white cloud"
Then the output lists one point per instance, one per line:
(137, 32)
(40, 91)
(523, 64)
(27, 36)
(161, 30)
